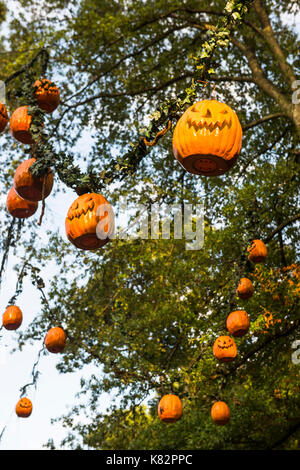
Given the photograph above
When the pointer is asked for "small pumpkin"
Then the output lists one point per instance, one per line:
(19, 207)
(12, 318)
(245, 288)
(224, 349)
(238, 323)
(19, 125)
(3, 117)
(24, 407)
(170, 408)
(47, 95)
(257, 251)
(55, 340)
(30, 187)
(220, 413)
(89, 222)
(207, 138)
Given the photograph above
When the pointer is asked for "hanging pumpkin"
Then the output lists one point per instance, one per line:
(24, 408)
(19, 125)
(47, 95)
(224, 349)
(30, 187)
(170, 408)
(257, 251)
(238, 323)
(220, 413)
(90, 222)
(207, 138)
(245, 288)
(19, 207)
(55, 340)
(3, 117)
(12, 318)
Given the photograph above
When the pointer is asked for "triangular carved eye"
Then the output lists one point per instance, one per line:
(208, 113)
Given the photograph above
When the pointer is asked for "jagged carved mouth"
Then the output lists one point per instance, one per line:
(76, 212)
(210, 125)
(225, 346)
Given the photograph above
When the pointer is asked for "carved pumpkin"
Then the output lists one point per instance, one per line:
(90, 222)
(3, 117)
(224, 349)
(207, 138)
(170, 408)
(220, 413)
(19, 207)
(24, 408)
(47, 95)
(12, 318)
(245, 288)
(238, 323)
(19, 125)
(257, 251)
(30, 187)
(55, 340)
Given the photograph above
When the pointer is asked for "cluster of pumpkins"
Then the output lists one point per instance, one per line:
(224, 348)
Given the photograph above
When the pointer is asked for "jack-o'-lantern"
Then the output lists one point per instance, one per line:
(55, 340)
(32, 187)
(238, 323)
(12, 318)
(220, 413)
(170, 408)
(24, 408)
(19, 125)
(19, 207)
(245, 288)
(3, 117)
(90, 222)
(224, 349)
(257, 251)
(207, 138)
(47, 95)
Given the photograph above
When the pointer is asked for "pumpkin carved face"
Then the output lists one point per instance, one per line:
(90, 222)
(170, 408)
(47, 95)
(220, 413)
(245, 288)
(18, 207)
(3, 117)
(19, 125)
(55, 340)
(238, 323)
(12, 318)
(257, 251)
(32, 187)
(24, 408)
(207, 138)
(224, 349)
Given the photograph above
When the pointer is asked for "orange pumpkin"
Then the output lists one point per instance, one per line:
(47, 95)
(30, 187)
(24, 408)
(220, 413)
(19, 207)
(19, 125)
(257, 251)
(55, 340)
(89, 222)
(207, 138)
(238, 323)
(12, 318)
(224, 349)
(170, 408)
(245, 288)
(3, 117)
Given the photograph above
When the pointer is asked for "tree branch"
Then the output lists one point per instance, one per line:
(281, 227)
(263, 119)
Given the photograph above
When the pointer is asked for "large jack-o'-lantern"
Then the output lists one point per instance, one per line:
(90, 222)
(12, 317)
(225, 349)
(245, 288)
(47, 95)
(220, 413)
(24, 408)
(207, 138)
(170, 408)
(19, 207)
(238, 323)
(32, 188)
(55, 340)
(257, 251)
(19, 125)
